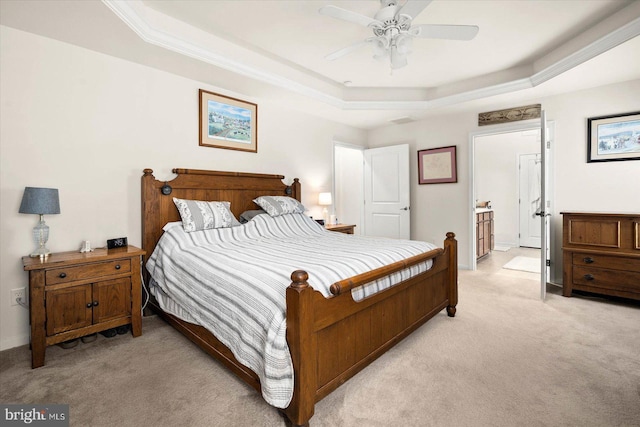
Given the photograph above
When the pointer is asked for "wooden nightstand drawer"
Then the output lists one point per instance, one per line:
(71, 274)
(604, 261)
(606, 279)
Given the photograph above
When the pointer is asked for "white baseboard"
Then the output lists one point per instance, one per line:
(6, 344)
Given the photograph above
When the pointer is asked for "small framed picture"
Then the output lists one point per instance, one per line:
(613, 138)
(437, 165)
(228, 122)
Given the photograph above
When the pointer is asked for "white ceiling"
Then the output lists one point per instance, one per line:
(524, 50)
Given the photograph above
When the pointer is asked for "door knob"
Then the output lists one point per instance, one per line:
(406, 208)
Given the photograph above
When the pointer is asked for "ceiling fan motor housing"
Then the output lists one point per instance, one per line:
(392, 22)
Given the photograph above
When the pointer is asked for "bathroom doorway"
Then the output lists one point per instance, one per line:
(496, 178)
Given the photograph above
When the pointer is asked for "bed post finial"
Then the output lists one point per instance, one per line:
(299, 279)
(295, 189)
(148, 171)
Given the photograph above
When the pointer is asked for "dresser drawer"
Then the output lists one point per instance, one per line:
(608, 279)
(604, 261)
(71, 274)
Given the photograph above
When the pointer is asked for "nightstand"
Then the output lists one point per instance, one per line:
(341, 228)
(73, 294)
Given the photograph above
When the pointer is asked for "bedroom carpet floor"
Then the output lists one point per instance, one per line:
(506, 359)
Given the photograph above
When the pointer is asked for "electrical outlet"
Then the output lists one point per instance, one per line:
(18, 294)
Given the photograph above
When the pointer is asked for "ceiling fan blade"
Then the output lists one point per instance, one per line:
(346, 50)
(346, 15)
(413, 7)
(451, 32)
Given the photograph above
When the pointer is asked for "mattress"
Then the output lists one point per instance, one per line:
(233, 281)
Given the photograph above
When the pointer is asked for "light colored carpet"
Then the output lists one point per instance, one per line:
(506, 359)
(522, 263)
(501, 248)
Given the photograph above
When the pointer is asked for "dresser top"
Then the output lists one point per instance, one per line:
(62, 259)
(609, 214)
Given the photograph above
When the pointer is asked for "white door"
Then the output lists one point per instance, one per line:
(386, 192)
(529, 199)
(545, 213)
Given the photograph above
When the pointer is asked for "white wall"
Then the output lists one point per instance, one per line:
(604, 187)
(88, 124)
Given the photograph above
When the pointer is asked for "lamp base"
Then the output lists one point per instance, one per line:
(41, 252)
(40, 237)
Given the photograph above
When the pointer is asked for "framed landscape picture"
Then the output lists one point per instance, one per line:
(437, 165)
(613, 138)
(228, 122)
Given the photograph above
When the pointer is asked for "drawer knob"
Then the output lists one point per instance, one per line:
(95, 303)
(89, 305)
(588, 260)
(117, 266)
(589, 277)
(62, 275)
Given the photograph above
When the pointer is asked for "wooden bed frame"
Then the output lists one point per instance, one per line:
(330, 339)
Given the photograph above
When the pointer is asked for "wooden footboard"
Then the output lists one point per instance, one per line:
(330, 340)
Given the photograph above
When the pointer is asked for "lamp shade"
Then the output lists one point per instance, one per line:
(41, 201)
(324, 199)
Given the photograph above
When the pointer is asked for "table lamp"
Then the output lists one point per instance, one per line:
(40, 201)
(324, 199)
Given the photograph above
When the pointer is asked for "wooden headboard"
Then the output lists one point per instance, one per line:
(236, 187)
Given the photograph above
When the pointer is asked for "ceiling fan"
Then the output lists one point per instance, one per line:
(392, 30)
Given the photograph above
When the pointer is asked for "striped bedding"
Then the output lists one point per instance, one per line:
(233, 282)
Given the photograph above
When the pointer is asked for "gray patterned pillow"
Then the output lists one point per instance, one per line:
(199, 215)
(279, 205)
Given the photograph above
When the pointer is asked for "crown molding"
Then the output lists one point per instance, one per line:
(149, 26)
(603, 44)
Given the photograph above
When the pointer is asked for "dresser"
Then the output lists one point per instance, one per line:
(74, 294)
(601, 253)
(484, 232)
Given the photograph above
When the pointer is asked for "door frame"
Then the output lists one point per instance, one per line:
(533, 124)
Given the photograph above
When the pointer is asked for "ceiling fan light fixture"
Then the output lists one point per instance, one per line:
(380, 48)
(403, 43)
(398, 60)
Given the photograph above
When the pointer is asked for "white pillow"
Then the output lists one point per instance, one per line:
(279, 205)
(200, 215)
